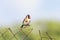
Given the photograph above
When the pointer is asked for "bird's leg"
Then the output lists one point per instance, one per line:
(28, 24)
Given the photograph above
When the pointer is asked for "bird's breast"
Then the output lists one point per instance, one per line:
(26, 21)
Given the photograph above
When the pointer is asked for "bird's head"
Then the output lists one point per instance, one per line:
(28, 16)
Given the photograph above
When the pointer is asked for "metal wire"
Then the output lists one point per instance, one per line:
(26, 35)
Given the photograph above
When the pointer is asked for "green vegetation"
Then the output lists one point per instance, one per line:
(36, 31)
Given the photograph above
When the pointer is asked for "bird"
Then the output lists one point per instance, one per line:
(26, 21)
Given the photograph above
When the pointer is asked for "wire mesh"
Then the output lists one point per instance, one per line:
(13, 36)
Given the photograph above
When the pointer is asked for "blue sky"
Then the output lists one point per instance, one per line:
(16, 10)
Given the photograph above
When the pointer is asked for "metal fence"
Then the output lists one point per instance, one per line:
(10, 35)
(47, 38)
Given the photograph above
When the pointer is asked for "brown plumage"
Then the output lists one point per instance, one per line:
(26, 21)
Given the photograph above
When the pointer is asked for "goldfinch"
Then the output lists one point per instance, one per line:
(26, 21)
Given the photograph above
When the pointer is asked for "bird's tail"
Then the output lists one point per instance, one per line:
(22, 26)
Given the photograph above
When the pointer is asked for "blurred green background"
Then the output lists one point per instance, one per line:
(36, 31)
